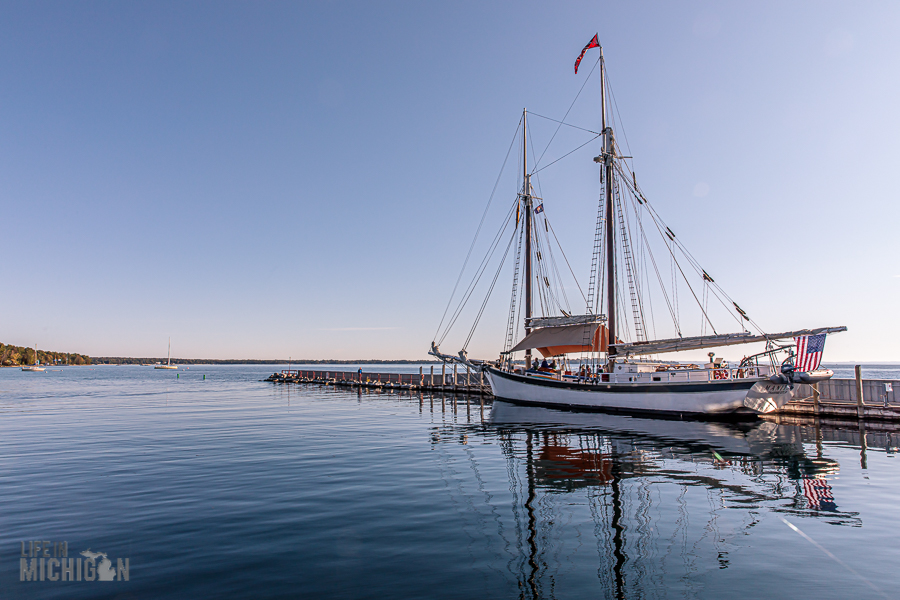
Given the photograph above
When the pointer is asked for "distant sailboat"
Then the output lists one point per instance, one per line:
(168, 364)
(37, 364)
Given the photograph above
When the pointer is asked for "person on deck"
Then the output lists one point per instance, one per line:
(544, 366)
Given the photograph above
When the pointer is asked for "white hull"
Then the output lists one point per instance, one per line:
(171, 367)
(708, 398)
(32, 368)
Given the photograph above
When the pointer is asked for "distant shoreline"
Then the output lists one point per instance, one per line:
(115, 360)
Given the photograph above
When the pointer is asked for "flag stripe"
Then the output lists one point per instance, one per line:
(809, 352)
(818, 494)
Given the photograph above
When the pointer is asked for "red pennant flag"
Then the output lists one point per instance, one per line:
(594, 43)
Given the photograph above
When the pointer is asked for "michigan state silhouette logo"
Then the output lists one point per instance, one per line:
(49, 561)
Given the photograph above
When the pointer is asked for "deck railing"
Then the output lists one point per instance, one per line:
(669, 375)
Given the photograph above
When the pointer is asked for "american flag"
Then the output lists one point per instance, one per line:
(809, 352)
(818, 494)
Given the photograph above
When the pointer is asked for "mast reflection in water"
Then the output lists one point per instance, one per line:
(657, 502)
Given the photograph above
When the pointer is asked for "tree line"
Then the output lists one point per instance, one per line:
(124, 360)
(11, 356)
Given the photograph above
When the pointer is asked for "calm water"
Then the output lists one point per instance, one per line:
(231, 487)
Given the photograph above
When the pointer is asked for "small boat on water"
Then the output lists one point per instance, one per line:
(608, 358)
(168, 364)
(37, 363)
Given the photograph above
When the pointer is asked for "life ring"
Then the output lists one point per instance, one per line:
(720, 374)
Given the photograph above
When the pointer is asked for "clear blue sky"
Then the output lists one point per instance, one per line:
(303, 178)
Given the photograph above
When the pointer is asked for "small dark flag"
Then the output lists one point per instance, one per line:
(594, 43)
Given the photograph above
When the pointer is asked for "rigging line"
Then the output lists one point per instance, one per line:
(511, 323)
(561, 288)
(636, 281)
(543, 273)
(489, 292)
(691, 259)
(697, 300)
(565, 155)
(538, 267)
(586, 79)
(556, 268)
(496, 183)
(540, 189)
(654, 216)
(714, 288)
(638, 259)
(646, 244)
(534, 114)
(718, 288)
(662, 286)
(628, 258)
(481, 267)
(547, 268)
(695, 264)
(616, 106)
(518, 318)
(621, 313)
(645, 270)
(475, 281)
(469, 291)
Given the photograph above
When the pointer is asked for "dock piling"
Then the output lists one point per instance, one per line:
(860, 401)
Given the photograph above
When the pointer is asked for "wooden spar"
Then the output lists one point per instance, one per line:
(712, 341)
(610, 229)
(526, 183)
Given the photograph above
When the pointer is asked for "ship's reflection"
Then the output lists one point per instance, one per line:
(665, 499)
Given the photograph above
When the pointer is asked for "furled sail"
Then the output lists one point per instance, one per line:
(711, 341)
(564, 320)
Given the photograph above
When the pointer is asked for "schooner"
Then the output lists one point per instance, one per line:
(606, 358)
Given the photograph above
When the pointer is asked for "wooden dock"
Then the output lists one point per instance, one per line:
(847, 399)
(448, 380)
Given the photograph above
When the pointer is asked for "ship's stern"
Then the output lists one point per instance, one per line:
(766, 397)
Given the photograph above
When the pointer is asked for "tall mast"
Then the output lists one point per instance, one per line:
(169, 353)
(608, 150)
(526, 192)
